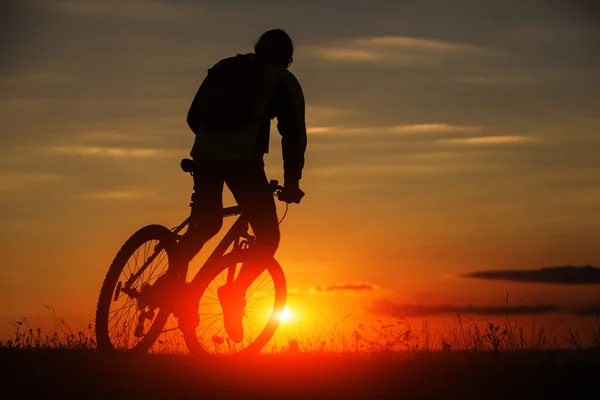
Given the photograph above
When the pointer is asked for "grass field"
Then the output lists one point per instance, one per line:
(488, 362)
(85, 374)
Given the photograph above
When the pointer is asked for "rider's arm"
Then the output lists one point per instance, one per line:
(292, 127)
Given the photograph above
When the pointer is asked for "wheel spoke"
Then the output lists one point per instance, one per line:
(131, 304)
(160, 260)
(212, 298)
(118, 320)
(259, 285)
(208, 327)
(209, 288)
(263, 297)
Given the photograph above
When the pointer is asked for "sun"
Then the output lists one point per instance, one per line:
(285, 314)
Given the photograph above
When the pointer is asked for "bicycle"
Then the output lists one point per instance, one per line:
(202, 333)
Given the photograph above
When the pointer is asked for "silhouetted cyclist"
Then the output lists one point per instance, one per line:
(231, 118)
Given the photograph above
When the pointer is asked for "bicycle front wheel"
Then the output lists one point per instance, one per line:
(265, 301)
(127, 319)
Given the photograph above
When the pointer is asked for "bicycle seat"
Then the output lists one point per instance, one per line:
(187, 165)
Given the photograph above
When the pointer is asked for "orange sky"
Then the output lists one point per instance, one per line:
(441, 142)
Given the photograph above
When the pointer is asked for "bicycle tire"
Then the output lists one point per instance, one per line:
(192, 341)
(148, 233)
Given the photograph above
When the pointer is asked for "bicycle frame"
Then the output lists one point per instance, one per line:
(237, 232)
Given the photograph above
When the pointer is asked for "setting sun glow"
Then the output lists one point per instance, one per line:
(285, 315)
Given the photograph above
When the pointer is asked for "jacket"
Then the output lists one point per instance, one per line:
(279, 96)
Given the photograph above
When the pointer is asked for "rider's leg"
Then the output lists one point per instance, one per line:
(248, 183)
(206, 221)
(206, 215)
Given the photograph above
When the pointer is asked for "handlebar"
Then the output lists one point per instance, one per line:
(275, 186)
(282, 194)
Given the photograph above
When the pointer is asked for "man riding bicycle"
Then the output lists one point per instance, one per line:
(231, 118)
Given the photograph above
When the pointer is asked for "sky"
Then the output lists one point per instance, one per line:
(450, 146)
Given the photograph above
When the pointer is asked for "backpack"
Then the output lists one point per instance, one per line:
(226, 99)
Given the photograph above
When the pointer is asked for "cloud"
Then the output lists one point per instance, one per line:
(348, 287)
(396, 50)
(405, 42)
(592, 311)
(393, 169)
(116, 195)
(322, 115)
(565, 275)
(319, 129)
(349, 55)
(487, 140)
(395, 129)
(418, 128)
(116, 152)
(295, 292)
(506, 79)
(94, 137)
(387, 307)
(16, 181)
(104, 135)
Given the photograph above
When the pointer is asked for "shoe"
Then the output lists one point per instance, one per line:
(233, 302)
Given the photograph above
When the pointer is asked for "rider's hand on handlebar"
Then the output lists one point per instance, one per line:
(291, 193)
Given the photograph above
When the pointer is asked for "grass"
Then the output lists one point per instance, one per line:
(62, 336)
(397, 336)
(388, 360)
(462, 336)
(76, 373)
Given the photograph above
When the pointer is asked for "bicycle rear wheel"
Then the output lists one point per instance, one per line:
(126, 319)
(265, 302)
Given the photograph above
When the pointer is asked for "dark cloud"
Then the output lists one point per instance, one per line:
(565, 275)
(592, 311)
(354, 287)
(386, 307)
